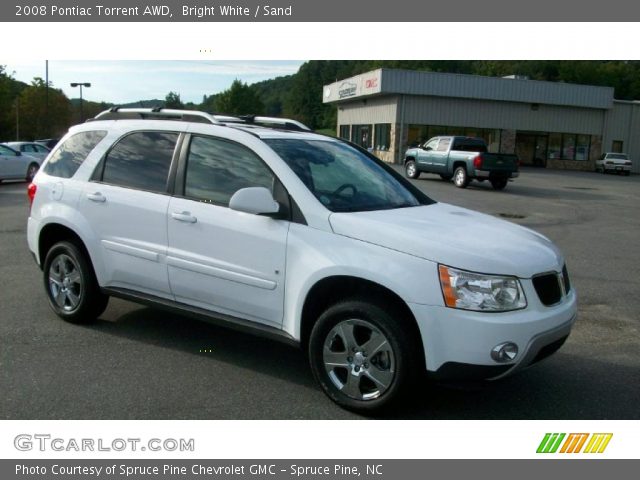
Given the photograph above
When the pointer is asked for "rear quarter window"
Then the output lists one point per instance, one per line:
(67, 158)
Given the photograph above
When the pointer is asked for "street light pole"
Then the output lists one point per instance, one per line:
(76, 84)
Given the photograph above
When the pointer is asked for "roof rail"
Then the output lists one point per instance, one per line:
(270, 122)
(158, 113)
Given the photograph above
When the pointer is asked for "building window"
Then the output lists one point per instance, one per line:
(345, 131)
(568, 147)
(582, 147)
(361, 135)
(382, 136)
(555, 140)
(616, 146)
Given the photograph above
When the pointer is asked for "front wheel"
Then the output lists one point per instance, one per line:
(361, 355)
(71, 286)
(460, 178)
(498, 183)
(411, 170)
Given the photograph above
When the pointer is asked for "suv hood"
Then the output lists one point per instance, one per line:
(454, 236)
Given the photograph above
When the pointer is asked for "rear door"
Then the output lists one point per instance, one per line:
(221, 259)
(126, 202)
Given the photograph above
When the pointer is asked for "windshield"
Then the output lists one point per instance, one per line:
(617, 156)
(344, 179)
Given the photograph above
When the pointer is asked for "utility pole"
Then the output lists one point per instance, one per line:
(17, 119)
(46, 105)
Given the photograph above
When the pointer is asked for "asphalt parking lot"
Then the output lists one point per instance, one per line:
(141, 363)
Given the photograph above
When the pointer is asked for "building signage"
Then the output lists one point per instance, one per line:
(347, 89)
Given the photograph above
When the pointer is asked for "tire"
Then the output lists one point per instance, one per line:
(349, 374)
(498, 183)
(71, 286)
(31, 171)
(460, 177)
(411, 170)
(446, 177)
(627, 173)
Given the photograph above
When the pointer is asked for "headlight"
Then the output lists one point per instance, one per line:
(479, 292)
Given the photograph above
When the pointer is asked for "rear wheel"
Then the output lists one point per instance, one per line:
(411, 170)
(498, 183)
(460, 177)
(31, 171)
(71, 285)
(362, 355)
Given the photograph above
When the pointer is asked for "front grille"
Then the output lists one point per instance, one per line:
(548, 288)
(565, 277)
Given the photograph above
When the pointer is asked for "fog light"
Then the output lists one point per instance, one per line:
(505, 352)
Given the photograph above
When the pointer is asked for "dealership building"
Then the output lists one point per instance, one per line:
(547, 124)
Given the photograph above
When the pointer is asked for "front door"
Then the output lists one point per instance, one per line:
(221, 259)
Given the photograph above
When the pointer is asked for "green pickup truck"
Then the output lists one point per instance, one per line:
(462, 159)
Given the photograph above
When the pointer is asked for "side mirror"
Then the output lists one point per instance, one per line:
(18, 153)
(256, 200)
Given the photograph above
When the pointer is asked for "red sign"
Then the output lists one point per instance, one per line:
(371, 83)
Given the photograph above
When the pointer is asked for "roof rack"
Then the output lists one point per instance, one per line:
(117, 113)
(158, 113)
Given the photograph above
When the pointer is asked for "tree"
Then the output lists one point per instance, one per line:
(32, 111)
(172, 100)
(239, 99)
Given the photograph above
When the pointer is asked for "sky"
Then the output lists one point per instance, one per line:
(128, 81)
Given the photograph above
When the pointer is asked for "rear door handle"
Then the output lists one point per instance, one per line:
(96, 197)
(184, 217)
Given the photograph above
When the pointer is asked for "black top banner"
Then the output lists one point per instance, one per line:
(319, 11)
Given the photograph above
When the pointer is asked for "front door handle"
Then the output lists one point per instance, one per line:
(96, 197)
(184, 217)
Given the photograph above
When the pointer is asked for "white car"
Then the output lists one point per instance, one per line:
(17, 166)
(296, 236)
(614, 163)
(30, 148)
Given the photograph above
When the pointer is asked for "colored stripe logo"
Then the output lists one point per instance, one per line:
(574, 443)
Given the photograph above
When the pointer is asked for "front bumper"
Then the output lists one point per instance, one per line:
(616, 168)
(458, 343)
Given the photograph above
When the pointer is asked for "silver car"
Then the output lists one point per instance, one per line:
(30, 148)
(17, 166)
(614, 163)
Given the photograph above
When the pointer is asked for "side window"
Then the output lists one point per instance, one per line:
(443, 146)
(69, 156)
(41, 148)
(141, 160)
(7, 151)
(431, 145)
(27, 148)
(216, 169)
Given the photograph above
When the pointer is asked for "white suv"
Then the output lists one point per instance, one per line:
(296, 236)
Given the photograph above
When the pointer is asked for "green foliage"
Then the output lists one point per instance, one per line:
(172, 100)
(239, 99)
(9, 91)
(42, 114)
